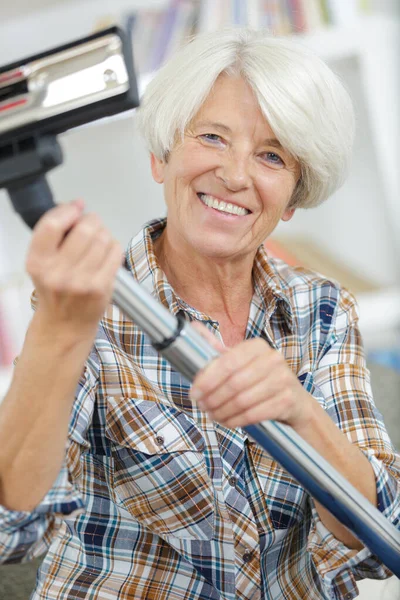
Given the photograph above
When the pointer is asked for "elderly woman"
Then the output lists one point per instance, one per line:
(149, 489)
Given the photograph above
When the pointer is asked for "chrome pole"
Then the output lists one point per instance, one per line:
(188, 352)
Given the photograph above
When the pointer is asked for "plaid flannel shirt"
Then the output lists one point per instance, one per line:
(157, 502)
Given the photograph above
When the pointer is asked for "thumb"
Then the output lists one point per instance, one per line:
(208, 336)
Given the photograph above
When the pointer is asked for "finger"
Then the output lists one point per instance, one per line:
(50, 230)
(105, 276)
(240, 382)
(80, 239)
(223, 367)
(96, 255)
(262, 392)
(270, 411)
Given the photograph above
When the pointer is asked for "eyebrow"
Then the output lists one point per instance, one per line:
(216, 125)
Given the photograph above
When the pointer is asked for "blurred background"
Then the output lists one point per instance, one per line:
(354, 237)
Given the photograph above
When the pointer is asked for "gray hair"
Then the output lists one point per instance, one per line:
(303, 101)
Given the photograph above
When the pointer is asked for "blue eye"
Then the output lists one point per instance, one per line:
(274, 158)
(211, 137)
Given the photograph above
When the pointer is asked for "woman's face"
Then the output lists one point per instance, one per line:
(229, 158)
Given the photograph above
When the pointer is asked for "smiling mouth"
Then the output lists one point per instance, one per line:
(222, 206)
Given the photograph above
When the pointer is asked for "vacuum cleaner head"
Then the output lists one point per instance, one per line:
(51, 92)
(68, 86)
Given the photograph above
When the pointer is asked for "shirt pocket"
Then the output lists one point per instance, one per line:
(285, 498)
(159, 473)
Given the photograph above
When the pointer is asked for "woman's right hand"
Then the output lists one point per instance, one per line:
(72, 261)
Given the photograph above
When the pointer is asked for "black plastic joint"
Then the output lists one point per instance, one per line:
(168, 341)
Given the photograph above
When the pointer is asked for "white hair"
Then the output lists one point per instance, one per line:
(303, 101)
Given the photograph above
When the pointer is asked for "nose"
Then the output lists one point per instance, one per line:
(234, 171)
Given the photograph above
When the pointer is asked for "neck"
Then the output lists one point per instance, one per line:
(220, 288)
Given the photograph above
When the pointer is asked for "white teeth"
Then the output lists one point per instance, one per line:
(223, 206)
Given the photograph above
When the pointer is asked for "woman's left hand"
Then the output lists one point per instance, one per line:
(249, 383)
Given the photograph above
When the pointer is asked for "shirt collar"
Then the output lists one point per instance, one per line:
(271, 287)
(142, 261)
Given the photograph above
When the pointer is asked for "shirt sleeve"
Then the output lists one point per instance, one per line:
(341, 384)
(25, 535)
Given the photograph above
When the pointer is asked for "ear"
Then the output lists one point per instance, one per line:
(157, 168)
(288, 214)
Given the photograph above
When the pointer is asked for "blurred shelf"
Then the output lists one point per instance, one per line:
(380, 317)
(334, 43)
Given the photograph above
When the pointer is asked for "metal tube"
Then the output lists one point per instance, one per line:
(190, 352)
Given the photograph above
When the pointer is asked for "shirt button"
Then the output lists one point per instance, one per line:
(232, 481)
(247, 556)
(159, 440)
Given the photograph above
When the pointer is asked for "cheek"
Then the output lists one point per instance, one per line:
(182, 174)
(196, 161)
(276, 190)
(181, 177)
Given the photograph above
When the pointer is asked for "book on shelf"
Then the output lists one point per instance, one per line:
(158, 33)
